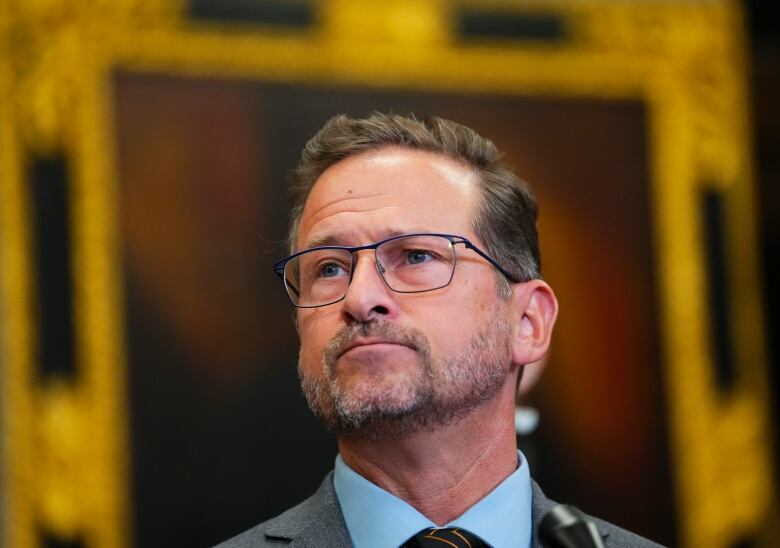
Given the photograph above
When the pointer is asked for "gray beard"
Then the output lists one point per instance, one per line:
(443, 392)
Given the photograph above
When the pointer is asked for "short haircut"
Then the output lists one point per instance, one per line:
(507, 212)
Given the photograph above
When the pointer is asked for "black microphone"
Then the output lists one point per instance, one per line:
(567, 527)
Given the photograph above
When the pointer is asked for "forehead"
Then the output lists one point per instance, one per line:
(391, 190)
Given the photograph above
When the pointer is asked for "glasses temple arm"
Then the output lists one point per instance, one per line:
(280, 272)
(491, 260)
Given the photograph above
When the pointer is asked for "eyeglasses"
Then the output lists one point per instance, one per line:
(412, 263)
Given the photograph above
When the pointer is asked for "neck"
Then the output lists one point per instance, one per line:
(442, 473)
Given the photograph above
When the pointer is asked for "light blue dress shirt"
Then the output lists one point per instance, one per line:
(378, 519)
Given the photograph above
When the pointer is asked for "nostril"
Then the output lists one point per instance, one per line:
(380, 310)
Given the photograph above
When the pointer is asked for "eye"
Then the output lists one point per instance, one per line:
(418, 256)
(331, 270)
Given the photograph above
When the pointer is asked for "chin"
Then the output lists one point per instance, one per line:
(388, 396)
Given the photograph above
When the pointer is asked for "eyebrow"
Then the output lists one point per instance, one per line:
(332, 239)
(327, 239)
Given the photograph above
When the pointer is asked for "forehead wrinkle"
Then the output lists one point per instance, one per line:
(335, 239)
(330, 237)
(341, 199)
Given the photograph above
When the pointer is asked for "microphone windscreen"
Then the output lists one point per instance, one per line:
(567, 527)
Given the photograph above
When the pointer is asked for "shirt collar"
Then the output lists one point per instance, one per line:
(377, 518)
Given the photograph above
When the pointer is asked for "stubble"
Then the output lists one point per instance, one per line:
(436, 392)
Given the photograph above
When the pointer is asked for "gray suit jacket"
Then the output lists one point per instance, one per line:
(318, 522)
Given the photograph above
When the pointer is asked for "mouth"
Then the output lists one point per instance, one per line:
(368, 343)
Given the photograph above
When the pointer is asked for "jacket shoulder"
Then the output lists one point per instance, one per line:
(612, 535)
(317, 517)
(617, 537)
(260, 535)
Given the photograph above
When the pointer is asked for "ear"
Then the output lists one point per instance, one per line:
(535, 309)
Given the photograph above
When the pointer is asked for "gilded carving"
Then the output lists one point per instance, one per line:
(685, 60)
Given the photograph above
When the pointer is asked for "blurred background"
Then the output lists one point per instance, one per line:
(148, 391)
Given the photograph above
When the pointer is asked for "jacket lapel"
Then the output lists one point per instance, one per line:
(317, 521)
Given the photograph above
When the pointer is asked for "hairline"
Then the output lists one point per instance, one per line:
(477, 209)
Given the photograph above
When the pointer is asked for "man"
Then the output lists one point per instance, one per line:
(415, 271)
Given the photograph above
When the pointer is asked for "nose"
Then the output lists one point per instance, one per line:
(368, 296)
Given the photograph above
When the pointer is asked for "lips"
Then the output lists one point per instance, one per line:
(356, 343)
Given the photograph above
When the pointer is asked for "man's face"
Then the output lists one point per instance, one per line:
(385, 364)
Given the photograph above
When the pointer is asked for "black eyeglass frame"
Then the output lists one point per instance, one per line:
(453, 238)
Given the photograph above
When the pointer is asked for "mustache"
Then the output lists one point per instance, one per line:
(383, 330)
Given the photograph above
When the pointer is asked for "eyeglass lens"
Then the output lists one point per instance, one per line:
(408, 264)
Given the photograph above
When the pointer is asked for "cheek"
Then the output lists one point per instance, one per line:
(314, 337)
(310, 358)
(456, 321)
(447, 325)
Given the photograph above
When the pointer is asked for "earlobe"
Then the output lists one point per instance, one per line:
(535, 309)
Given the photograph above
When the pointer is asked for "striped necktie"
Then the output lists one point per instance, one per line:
(447, 537)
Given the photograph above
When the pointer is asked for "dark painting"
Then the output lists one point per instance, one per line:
(221, 435)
